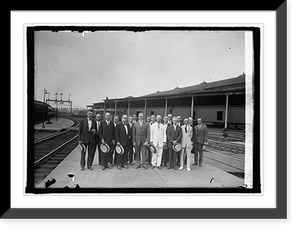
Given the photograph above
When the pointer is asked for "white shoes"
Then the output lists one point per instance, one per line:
(188, 169)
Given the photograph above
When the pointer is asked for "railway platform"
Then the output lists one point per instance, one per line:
(55, 125)
(200, 177)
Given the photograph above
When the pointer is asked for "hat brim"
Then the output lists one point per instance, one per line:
(104, 148)
(119, 149)
(152, 149)
(82, 148)
(177, 147)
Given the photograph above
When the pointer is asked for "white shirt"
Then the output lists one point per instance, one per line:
(90, 123)
(126, 129)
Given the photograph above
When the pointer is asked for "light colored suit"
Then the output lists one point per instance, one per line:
(157, 137)
(187, 145)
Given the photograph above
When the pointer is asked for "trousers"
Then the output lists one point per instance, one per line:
(198, 153)
(156, 157)
(187, 151)
(91, 147)
(141, 152)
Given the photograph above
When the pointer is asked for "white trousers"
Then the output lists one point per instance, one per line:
(156, 157)
(188, 158)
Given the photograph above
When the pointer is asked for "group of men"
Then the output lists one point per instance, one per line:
(137, 136)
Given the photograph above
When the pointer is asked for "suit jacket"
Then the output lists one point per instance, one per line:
(120, 134)
(107, 132)
(84, 134)
(97, 132)
(186, 140)
(158, 135)
(130, 131)
(173, 135)
(200, 134)
(140, 134)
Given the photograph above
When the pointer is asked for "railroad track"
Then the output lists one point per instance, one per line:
(227, 156)
(51, 151)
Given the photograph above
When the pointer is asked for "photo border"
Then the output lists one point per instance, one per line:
(280, 211)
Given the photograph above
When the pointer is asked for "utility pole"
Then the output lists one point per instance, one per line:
(45, 92)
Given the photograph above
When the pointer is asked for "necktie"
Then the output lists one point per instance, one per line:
(185, 129)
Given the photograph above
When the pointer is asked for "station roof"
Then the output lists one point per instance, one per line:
(227, 85)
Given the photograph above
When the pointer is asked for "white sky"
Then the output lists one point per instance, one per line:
(117, 64)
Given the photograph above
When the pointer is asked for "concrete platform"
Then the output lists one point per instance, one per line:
(199, 177)
(61, 123)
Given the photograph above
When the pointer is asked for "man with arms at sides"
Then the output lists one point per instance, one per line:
(130, 147)
(179, 123)
(116, 122)
(165, 155)
(107, 135)
(158, 138)
(98, 142)
(174, 134)
(86, 136)
(141, 138)
(187, 144)
(122, 138)
(170, 119)
(200, 138)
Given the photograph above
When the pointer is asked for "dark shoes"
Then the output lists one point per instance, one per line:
(124, 166)
(138, 166)
(81, 169)
(90, 168)
(119, 167)
(159, 167)
(152, 167)
(144, 166)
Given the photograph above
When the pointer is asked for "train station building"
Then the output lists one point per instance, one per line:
(219, 103)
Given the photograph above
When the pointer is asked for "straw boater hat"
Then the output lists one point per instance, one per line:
(120, 149)
(104, 148)
(152, 148)
(82, 147)
(177, 147)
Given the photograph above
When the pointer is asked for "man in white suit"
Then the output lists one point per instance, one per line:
(158, 138)
(187, 144)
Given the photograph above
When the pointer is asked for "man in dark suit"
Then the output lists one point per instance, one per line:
(130, 147)
(98, 142)
(174, 134)
(122, 138)
(114, 159)
(86, 136)
(141, 139)
(200, 138)
(107, 135)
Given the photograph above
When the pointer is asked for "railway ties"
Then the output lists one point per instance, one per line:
(51, 151)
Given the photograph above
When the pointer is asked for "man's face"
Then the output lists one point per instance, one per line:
(148, 119)
(199, 121)
(116, 119)
(107, 116)
(178, 119)
(158, 119)
(190, 121)
(166, 119)
(98, 117)
(175, 121)
(170, 116)
(141, 117)
(152, 118)
(186, 121)
(124, 118)
(134, 117)
(130, 119)
(90, 114)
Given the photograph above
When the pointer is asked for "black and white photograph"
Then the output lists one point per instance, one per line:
(143, 108)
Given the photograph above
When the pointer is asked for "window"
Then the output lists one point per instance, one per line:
(219, 115)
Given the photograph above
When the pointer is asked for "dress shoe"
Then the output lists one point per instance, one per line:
(188, 169)
(200, 165)
(103, 168)
(194, 164)
(124, 166)
(144, 166)
(138, 166)
(81, 169)
(119, 167)
(169, 168)
(109, 166)
(90, 168)
(175, 168)
(152, 167)
(159, 167)
(180, 168)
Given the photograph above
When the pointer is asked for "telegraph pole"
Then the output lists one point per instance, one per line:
(45, 92)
